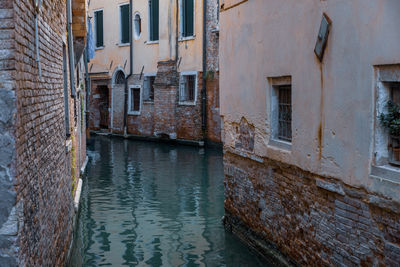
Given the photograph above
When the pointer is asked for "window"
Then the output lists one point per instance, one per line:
(149, 87)
(187, 18)
(134, 100)
(138, 26)
(187, 88)
(153, 23)
(98, 25)
(124, 23)
(285, 113)
(281, 112)
(394, 135)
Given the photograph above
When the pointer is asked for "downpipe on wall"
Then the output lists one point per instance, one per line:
(204, 87)
(70, 49)
(130, 68)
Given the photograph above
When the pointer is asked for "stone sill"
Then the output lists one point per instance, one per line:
(152, 42)
(189, 38)
(123, 45)
(186, 103)
(99, 48)
(387, 173)
(148, 102)
(134, 113)
(280, 144)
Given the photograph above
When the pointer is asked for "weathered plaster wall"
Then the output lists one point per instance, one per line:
(333, 102)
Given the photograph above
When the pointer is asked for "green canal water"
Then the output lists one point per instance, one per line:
(150, 204)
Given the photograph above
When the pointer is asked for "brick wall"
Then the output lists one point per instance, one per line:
(313, 220)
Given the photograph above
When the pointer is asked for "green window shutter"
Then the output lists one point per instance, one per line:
(124, 24)
(99, 29)
(188, 18)
(154, 20)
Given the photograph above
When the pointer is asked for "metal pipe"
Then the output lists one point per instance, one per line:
(71, 49)
(130, 67)
(37, 45)
(204, 91)
(66, 93)
(177, 33)
(87, 91)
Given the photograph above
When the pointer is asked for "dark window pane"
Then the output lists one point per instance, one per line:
(151, 87)
(124, 24)
(154, 13)
(136, 99)
(188, 18)
(99, 28)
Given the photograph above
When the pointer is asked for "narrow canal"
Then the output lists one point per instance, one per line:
(148, 204)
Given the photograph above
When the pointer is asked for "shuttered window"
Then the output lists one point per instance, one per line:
(154, 19)
(99, 31)
(187, 18)
(124, 15)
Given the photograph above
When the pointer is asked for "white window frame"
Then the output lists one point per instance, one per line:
(188, 73)
(149, 25)
(182, 38)
(130, 112)
(135, 35)
(95, 29)
(120, 43)
(148, 74)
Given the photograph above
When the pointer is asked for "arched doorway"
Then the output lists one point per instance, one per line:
(118, 100)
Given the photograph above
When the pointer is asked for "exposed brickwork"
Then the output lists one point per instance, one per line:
(99, 104)
(213, 115)
(35, 170)
(313, 220)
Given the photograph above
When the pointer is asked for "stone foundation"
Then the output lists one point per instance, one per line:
(314, 220)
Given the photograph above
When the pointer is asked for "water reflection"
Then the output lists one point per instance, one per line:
(147, 204)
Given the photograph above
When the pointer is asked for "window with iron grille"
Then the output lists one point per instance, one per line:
(394, 139)
(124, 24)
(134, 100)
(187, 88)
(98, 28)
(285, 113)
(149, 87)
(187, 18)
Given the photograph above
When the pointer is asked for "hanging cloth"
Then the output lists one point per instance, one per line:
(90, 41)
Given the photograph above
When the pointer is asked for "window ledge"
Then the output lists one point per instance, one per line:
(99, 48)
(123, 45)
(135, 113)
(68, 146)
(149, 102)
(152, 42)
(187, 103)
(182, 39)
(387, 173)
(280, 144)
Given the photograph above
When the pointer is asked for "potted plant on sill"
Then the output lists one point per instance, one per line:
(391, 121)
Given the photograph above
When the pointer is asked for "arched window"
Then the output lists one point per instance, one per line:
(137, 26)
(119, 77)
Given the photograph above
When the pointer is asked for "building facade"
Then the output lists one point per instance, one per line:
(310, 168)
(153, 85)
(42, 129)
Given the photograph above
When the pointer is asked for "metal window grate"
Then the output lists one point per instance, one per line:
(285, 113)
(187, 88)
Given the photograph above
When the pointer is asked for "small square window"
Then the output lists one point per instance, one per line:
(134, 101)
(187, 89)
(149, 88)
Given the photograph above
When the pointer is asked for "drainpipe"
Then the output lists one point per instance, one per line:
(87, 80)
(177, 34)
(204, 92)
(130, 67)
(70, 49)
